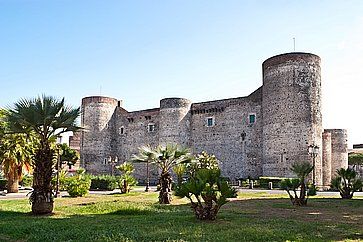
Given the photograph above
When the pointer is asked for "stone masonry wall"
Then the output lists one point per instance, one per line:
(291, 112)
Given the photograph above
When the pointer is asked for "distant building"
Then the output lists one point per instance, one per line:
(258, 135)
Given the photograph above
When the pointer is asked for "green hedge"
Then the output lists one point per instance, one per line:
(275, 181)
(103, 183)
(3, 183)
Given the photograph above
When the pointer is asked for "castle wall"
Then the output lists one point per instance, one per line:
(96, 137)
(232, 139)
(136, 133)
(291, 110)
(327, 166)
(339, 149)
(262, 134)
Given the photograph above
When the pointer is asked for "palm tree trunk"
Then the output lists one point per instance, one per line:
(165, 188)
(13, 183)
(42, 195)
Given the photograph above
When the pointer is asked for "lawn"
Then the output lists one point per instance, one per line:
(137, 217)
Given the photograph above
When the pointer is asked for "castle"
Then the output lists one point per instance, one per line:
(258, 135)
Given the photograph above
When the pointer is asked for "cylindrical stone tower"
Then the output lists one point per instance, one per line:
(291, 110)
(326, 159)
(339, 149)
(96, 119)
(175, 121)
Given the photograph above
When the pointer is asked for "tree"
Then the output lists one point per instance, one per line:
(205, 183)
(47, 117)
(68, 155)
(355, 159)
(126, 180)
(347, 182)
(165, 157)
(302, 171)
(15, 154)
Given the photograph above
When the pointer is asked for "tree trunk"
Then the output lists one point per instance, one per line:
(165, 188)
(42, 195)
(13, 185)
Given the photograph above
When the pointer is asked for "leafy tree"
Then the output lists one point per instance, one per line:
(302, 171)
(205, 184)
(15, 154)
(47, 117)
(165, 157)
(347, 182)
(126, 179)
(355, 159)
(68, 155)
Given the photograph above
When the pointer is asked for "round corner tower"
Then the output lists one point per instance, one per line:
(96, 119)
(291, 110)
(175, 121)
(339, 149)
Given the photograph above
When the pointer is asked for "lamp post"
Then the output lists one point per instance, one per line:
(313, 151)
(112, 162)
(147, 177)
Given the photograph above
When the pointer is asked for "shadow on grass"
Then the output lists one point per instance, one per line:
(239, 220)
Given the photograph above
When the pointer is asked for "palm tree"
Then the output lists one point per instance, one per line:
(15, 155)
(146, 154)
(347, 182)
(47, 117)
(302, 171)
(165, 157)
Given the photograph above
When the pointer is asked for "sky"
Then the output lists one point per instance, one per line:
(142, 51)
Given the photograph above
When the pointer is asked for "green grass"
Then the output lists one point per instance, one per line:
(137, 217)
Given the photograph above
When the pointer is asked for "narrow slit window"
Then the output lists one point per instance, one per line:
(210, 122)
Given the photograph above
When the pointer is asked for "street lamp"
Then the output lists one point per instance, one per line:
(147, 177)
(313, 151)
(112, 162)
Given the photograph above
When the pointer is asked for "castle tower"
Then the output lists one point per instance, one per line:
(291, 110)
(175, 121)
(96, 119)
(327, 171)
(339, 149)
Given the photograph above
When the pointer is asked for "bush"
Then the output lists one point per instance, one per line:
(103, 183)
(297, 188)
(3, 183)
(78, 185)
(27, 181)
(63, 176)
(275, 181)
(126, 180)
(347, 182)
(205, 184)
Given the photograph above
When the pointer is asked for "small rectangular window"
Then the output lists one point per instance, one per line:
(210, 121)
(151, 128)
(252, 118)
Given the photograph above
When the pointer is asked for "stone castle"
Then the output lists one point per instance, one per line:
(258, 135)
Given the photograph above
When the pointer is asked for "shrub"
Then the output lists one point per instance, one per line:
(63, 176)
(275, 181)
(302, 170)
(3, 183)
(205, 184)
(27, 181)
(78, 185)
(103, 183)
(126, 180)
(347, 182)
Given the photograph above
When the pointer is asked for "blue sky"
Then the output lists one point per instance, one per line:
(142, 51)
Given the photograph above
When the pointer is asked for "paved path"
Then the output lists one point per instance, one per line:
(23, 193)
